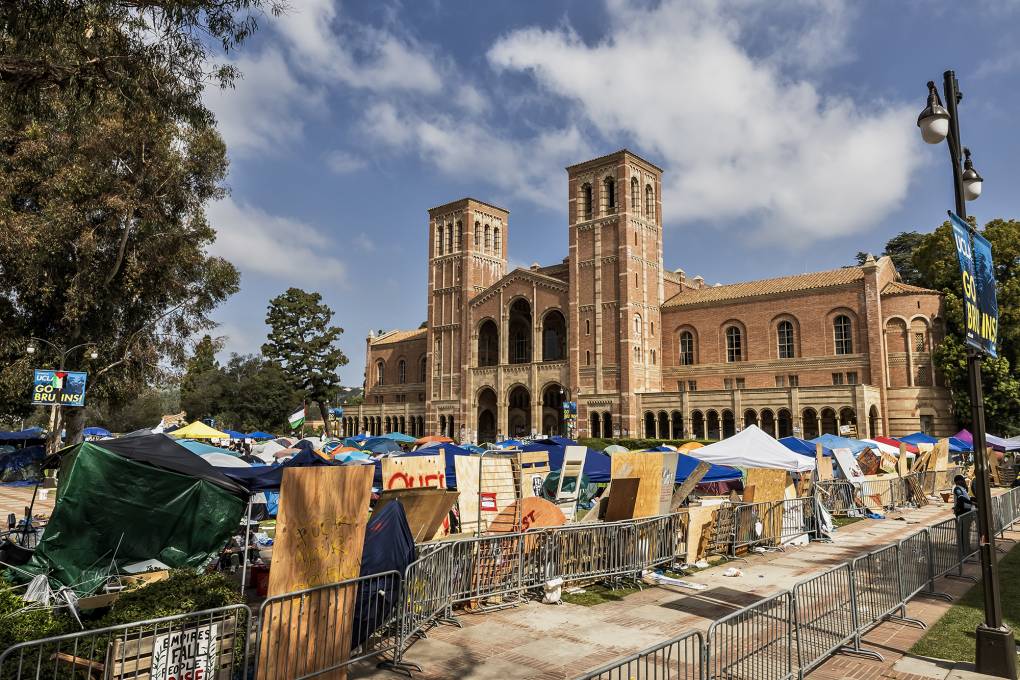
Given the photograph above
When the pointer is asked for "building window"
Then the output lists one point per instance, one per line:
(922, 377)
(421, 370)
(488, 239)
(460, 235)
(837, 378)
(649, 201)
(919, 342)
(741, 383)
(653, 357)
(637, 354)
(851, 378)
(587, 326)
(784, 336)
(587, 358)
(686, 348)
(449, 238)
(651, 329)
(637, 325)
(478, 235)
(439, 240)
(609, 190)
(402, 372)
(734, 344)
(927, 424)
(692, 385)
(843, 334)
(586, 200)
(793, 380)
(380, 373)
(780, 381)
(727, 383)
(635, 195)
(497, 242)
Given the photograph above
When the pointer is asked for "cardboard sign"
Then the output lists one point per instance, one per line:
(188, 654)
(845, 460)
(668, 483)
(412, 472)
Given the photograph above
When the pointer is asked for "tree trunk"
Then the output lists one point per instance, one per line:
(74, 423)
(324, 412)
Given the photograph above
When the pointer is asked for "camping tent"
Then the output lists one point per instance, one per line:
(997, 443)
(96, 432)
(201, 447)
(133, 499)
(380, 445)
(751, 447)
(803, 446)
(199, 430)
(833, 441)
(258, 435)
(234, 434)
(400, 437)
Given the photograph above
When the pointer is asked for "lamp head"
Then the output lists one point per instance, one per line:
(31, 348)
(934, 120)
(972, 181)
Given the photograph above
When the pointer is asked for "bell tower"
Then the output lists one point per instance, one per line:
(467, 254)
(615, 259)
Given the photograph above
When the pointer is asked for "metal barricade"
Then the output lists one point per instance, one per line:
(840, 497)
(682, 658)
(825, 617)
(944, 544)
(755, 643)
(658, 540)
(880, 492)
(876, 584)
(968, 535)
(916, 569)
(595, 551)
(301, 634)
(215, 640)
(426, 594)
(487, 567)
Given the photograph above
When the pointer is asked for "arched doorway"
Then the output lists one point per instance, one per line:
(698, 424)
(552, 410)
(713, 425)
(847, 416)
(729, 425)
(650, 425)
(829, 421)
(873, 422)
(519, 337)
(488, 343)
(442, 425)
(663, 425)
(596, 426)
(750, 417)
(487, 415)
(810, 419)
(554, 336)
(518, 417)
(607, 425)
(768, 422)
(677, 420)
(785, 423)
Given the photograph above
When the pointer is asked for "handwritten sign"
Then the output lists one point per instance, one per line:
(188, 654)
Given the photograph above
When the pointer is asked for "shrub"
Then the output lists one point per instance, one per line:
(637, 444)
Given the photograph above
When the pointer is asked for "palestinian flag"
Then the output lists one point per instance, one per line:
(297, 419)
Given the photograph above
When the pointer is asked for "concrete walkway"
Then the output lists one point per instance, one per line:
(552, 642)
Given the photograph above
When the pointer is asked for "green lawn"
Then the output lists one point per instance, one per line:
(952, 637)
(597, 594)
(843, 521)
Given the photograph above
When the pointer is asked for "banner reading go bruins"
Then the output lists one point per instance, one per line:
(981, 311)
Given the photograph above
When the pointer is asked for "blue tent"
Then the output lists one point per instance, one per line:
(400, 437)
(832, 441)
(509, 444)
(597, 465)
(803, 446)
(269, 477)
(380, 445)
(234, 434)
(955, 445)
(97, 432)
(556, 440)
(388, 546)
(30, 433)
(202, 447)
(259, 435)
(685, 466)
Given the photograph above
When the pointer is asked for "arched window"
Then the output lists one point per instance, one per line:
(488, 239)
(649, 201)
(554, 336)
(586, 200)
(460, 235)
(608, 194)
(651, 329)
(650, 425)
(784, 338)
(497, 242)
(402, 372)
(488, 344)
(478, 235)
(635, 195)
(653, 357)
(734, 344)
(843, 334)
(449, 238)
(637, 325)
(686, 348)
(637, 354)
(587, 326)
(380, 372)
(587, 358)
(421, 370)
(439, 240)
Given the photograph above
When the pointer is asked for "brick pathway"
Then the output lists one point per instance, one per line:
(534, 640)
(16, 498)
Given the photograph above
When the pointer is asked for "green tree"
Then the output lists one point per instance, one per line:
(107, 159)
(936, 262)
(304, 344)
(204, 385)
(900, 249)
(258, 394)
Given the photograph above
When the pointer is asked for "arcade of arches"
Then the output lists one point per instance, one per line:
(722, 423)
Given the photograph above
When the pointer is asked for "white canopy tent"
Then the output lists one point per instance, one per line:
(751, 447)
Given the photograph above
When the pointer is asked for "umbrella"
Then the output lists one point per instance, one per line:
(434, 438)
(199, 430)
(400, 437)
(97, 432)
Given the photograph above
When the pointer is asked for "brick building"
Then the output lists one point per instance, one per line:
(643, 350)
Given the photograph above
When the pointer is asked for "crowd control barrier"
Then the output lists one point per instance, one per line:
(679, 659)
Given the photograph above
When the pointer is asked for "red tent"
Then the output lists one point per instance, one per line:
(896, 442)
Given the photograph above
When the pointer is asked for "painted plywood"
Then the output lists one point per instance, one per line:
(487, 486)
(646, 467)
(667, 483)
(845, 459)
(412, 472)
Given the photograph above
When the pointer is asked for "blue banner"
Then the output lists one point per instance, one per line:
(61, 388)
(980, 309)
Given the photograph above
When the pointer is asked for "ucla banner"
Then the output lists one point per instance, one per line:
(980, 309)
(62, 388)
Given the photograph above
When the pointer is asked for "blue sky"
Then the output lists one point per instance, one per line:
(786, 131)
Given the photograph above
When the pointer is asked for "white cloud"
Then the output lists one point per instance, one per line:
(1004, 62)
(460, 147)
(265, 109)
(344, 162)
(272, 246)
(740, 138)
(364, 243)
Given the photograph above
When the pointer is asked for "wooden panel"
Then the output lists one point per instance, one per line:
(534, 468)
(533, 513)
(823, 464)
(425, 509)
(668, 481)
(494, 491)
(647, 467)
(699, 519)
(203, 649)
(681, 494)
(320, 532)
(941, 455)
(902, 461)
(467, 484)
(769, 484)
(411, 472)
(622, 500)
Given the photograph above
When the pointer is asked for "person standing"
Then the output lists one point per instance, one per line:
(963, 506)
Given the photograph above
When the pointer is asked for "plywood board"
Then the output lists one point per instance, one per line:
(681, 494)
(647, 467)
(622, 501)
(845, 459)
(426, 509)
(700, 518)
(869, 462)
(320, 531)
(941, 455)
(769, 484)
(903, 462)
(668, 481)
(467, 470)
(534, 468)
(412, 472)
(823, 464)
(485, 496)
(533, 513)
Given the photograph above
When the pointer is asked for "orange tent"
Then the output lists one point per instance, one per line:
(690, 446)
(434, 438)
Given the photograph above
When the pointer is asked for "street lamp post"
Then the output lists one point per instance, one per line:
(996, 648)
(53, 436)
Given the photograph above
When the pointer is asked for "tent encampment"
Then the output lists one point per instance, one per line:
(400, 437)
(199, 430)
(133, 499)
(751, 447)
(258, 435)
(833, 441)
(803, 446)
(685, 465)
(997, 443)
(380, 445)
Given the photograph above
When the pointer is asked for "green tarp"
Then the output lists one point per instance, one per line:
(116, 509)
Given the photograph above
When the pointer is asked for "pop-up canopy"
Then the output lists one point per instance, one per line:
(199, 430)
(751, 448)
(997, 443)
(804, 447)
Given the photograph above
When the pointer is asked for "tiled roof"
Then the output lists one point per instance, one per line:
(899, 288)
(399, 336)
(752, 289)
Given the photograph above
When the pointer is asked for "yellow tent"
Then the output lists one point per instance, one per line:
(690, 446)
(199, 430)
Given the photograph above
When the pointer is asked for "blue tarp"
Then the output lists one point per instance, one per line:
(803, 446)
(388, 546)
(269, 477)
(380, 445)
(96, 432)
(356, 439)
(685, 466)
(30, 433)
(556, 440)
(835, 442)
(510, 444)
(258, 434)
(955, 445)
